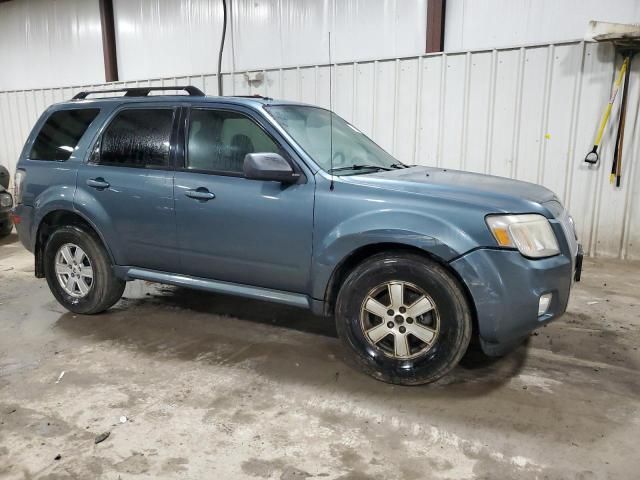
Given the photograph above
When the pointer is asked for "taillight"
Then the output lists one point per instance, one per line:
(17, 186)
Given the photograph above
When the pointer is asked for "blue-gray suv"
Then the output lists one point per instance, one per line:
(287, 202)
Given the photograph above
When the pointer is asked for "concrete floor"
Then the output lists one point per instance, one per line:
(218, 387)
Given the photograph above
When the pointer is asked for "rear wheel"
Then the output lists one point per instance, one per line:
(79, 271)
(403, 318)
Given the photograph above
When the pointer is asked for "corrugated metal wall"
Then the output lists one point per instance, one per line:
(473, 24)
(54, 43)
(44, 43)
(527, 113)
(178, 37)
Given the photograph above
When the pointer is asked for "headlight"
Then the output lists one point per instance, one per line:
(573, 227)
(531, 234)
(5, 200)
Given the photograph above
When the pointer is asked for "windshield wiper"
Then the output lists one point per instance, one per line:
(359, 167)
(399, 165)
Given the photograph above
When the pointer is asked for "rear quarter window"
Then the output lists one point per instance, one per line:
(60, 134)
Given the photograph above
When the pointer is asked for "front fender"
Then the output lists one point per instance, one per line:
(438, 237)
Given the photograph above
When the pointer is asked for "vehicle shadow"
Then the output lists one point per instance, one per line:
(9, 239)
(284, 343)
(246, 309)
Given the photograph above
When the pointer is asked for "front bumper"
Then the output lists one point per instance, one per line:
(506, 289)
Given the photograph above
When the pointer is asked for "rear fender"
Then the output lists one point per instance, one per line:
(88, 207)
(56, 197)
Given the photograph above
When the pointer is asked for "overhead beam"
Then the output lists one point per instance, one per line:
(435, 25)
(108, 41)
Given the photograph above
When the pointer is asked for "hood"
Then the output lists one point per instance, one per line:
(497, 193)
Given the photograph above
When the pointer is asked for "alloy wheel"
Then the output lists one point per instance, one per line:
(74, 270)
(399, 319)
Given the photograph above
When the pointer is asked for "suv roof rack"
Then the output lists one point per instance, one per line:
(253, 96)
(141, 91)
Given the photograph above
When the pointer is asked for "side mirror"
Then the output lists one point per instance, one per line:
(269, 167)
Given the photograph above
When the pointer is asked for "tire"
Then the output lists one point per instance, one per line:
(104, 288)
(6, 229)
(425, 284)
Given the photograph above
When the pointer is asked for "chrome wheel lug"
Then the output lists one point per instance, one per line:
(402, 309)
(409, 320)
(390, 325)
(402, 329)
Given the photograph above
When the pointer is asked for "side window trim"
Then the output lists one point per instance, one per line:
(183, 139)
(97, 141)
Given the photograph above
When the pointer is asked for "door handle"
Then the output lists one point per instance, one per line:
(200, 194)
(98, 183)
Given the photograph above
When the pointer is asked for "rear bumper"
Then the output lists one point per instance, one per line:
(24, 224)
(506, 289)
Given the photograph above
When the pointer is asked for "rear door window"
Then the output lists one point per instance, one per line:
(137, 138)
(60, 134)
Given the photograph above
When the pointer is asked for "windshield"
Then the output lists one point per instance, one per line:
(353, 151)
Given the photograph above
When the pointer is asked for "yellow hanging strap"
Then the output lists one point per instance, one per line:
(593, 157)
(607, 112)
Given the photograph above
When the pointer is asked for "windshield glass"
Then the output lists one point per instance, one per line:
(353, 151)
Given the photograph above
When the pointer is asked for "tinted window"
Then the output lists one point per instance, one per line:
(138, 138)
(61, 133)
(218, 141)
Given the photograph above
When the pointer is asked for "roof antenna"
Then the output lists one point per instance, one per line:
(331, 185)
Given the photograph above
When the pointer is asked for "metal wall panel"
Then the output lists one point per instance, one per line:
(50, 43)
(529, 113)
(178, 37)
(473, 24)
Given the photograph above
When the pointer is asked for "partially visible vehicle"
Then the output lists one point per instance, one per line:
(4, 177)
(6, 202)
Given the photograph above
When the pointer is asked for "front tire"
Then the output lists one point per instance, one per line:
(79, 271)
(403, 318)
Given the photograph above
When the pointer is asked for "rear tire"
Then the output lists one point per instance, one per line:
(6, 229)
(79, 271)
(403, 319)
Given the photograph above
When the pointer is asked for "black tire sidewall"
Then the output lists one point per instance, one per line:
(103, 277)
(453, 310)
(6, 229)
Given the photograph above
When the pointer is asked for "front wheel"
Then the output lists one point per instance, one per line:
(403, 318)
(79, 271)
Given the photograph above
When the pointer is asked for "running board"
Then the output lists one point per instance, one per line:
(217, 286)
